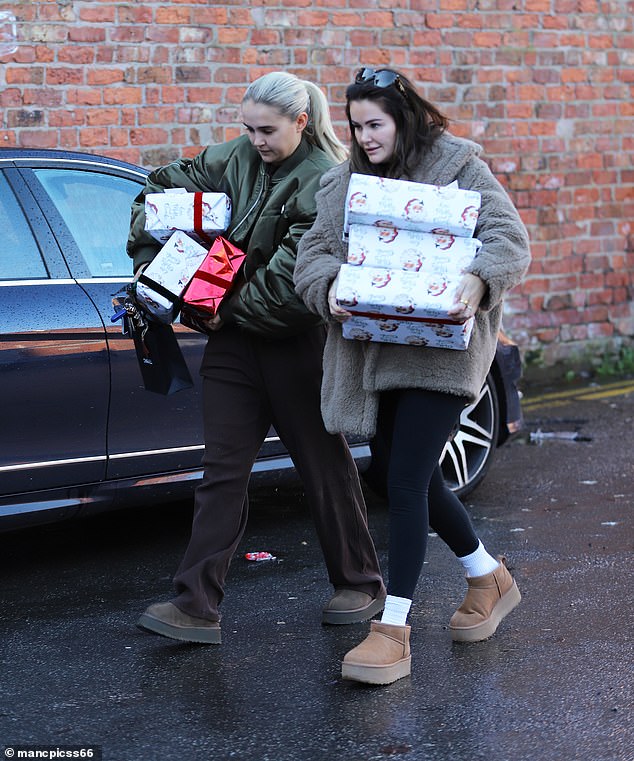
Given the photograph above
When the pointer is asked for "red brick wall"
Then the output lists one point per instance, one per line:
(545, 85)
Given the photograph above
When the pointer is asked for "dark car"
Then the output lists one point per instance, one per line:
(78, 432)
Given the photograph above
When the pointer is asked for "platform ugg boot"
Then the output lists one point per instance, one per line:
(382, 657)
(488, 600)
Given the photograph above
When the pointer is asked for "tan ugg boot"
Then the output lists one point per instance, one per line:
(349, 606)
(382, 657)
(489, 598)
(166, 619)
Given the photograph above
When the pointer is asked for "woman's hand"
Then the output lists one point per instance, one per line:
(215, 323)
(338, 313)
(469, 294)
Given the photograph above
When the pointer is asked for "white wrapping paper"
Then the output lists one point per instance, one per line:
(402, 307)
(396, 293)
(392, 248)
(385, 330)
(173, 268)
(193, 213)
(411, 205)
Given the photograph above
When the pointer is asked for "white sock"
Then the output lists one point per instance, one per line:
(396, 610)
(479, 563)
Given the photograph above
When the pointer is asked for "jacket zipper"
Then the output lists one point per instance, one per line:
(255, 203)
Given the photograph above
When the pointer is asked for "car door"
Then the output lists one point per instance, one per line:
(88, 208)
(54, 369)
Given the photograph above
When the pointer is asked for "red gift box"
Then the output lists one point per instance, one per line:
(211, 283)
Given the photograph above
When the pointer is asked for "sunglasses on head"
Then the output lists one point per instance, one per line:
(380, 78)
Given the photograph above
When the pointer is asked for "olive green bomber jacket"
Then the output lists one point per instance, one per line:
(271, 209)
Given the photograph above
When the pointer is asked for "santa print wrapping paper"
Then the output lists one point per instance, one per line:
(396, 306)
(211, 283)
(391, 247)
(384, 202)
(171, 269)
(201, 215)
(440, 335)
(396, 293)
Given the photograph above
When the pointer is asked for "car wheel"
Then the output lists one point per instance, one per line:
(469, 451)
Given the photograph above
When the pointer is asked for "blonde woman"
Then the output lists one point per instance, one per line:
(262, 362)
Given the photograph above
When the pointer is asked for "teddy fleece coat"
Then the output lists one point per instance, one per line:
(355, 372)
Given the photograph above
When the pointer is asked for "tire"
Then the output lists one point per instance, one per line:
(469, 451)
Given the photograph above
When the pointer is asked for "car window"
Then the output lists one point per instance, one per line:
(20, 257)
(96, 209)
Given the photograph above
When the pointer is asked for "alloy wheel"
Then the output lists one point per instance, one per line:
(469, 451)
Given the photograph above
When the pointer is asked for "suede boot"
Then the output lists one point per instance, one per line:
(166, 619)
(489, 598)
(348, 606)
(382, 657)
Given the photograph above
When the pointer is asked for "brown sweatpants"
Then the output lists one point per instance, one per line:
(248, 384)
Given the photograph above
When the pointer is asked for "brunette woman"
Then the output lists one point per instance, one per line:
(409, 396)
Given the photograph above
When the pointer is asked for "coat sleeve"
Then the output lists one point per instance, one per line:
(505, 254)
(321, 250)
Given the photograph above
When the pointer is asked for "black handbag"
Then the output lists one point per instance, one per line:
(163, 367)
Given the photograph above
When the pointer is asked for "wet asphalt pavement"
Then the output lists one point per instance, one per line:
(554, 684)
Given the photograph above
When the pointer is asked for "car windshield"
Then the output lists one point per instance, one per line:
(96, 209)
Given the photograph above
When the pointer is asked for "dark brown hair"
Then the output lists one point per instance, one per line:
(418, 124)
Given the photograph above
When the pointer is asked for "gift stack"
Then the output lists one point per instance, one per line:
(408, 247)
(195, 267)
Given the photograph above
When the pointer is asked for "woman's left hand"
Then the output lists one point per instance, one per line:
(468, 296)
(215, 323)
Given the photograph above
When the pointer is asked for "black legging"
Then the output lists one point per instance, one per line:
(414, 425)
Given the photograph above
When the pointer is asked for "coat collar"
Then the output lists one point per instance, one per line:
(446, 159)
(291, 163)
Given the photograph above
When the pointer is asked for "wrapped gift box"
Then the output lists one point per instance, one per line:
(396, 306)
(211, 283)
(163, 281)
(441, 335)
(411, 205)
(391, 247)
(396, 293)
(201, 215)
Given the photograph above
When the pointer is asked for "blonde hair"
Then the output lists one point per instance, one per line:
(292, 96)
